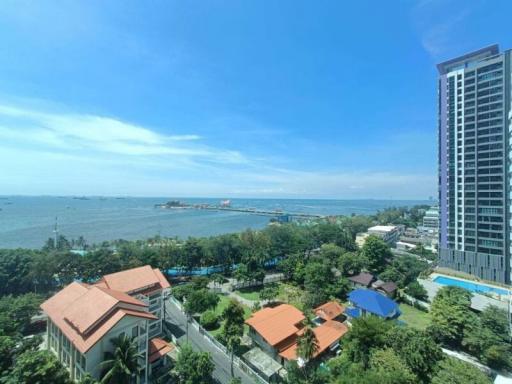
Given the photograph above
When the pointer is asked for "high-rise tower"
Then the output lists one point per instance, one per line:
(475, 124)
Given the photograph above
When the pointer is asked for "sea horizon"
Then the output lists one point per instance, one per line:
(28, 221)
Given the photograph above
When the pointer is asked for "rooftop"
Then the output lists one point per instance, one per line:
(276, 324)
(326, 334)
(382, 228)
(374, 302)
(85, 313)
(262, 362)
(329, 310)
(364, 278)
(159, 348)
(477, 55)
(135, 280)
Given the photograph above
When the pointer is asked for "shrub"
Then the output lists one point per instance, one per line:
(417, 291)
(209, 320)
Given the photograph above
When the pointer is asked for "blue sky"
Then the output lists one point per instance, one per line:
(320, 99)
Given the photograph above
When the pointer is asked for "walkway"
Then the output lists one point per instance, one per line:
(199, 342)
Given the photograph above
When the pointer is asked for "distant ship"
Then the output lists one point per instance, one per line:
(225, 203)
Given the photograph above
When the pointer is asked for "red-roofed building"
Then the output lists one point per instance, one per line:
(275, 330)
(83, 319)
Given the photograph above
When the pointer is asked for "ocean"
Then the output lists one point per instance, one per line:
(28, 222)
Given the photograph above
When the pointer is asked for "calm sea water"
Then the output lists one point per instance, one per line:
(28, 221)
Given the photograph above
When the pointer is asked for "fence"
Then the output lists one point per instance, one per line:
(236, 360)
(254, 283)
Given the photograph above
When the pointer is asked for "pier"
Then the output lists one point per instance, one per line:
(227, 207)
(264, 212)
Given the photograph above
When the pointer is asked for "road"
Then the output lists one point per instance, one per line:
(222, 362)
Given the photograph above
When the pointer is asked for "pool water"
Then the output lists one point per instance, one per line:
(469, 285)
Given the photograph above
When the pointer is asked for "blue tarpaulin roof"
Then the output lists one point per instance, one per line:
(374, 302)
(353, 312)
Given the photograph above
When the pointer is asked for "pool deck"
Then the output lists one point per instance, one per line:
(478, 302)
(434, 275)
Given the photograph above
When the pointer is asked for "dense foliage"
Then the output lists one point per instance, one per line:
(193, 367)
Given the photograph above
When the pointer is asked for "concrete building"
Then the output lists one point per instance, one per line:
(431, 219)
(388, 233)
(474, 130)
(84, 318)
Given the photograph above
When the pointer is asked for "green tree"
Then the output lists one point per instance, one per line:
(16, 312)
(498, 356)
(390, 368)
(122, 364)
(209, 320)
(7, 354)
(454, 371)
(495, 319)
(330, 253)
(377, 253)
(194, 367)
(307, 343)
(350, 263)
(450, 314)
(269, 292)
(318, 282)
(416, 349)
(417, 291)
(233, 328)
(201, 300)
(367, 333)
(39, 367)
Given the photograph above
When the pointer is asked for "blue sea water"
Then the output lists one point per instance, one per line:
(28, 221)
(470, 286)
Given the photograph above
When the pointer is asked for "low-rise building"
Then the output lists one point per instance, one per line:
(83, 319)
(431, 219)
(275, 331)
(362, 280)
(388, 233)
(366, 302)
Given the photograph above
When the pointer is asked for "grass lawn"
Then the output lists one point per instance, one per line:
(414, 317)
(252, 293)
(223, 303)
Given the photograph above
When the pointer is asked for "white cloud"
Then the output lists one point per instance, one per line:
(437, 22)
(63, 153)
(103, 134)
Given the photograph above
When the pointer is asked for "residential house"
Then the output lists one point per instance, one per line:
(388, 288)
(331, 310)
(362, 280)
(84, 318)
(275, 331)
(368, 302)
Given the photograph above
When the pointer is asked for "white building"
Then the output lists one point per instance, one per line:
(388, 233)
(431, 220)
(83, 319)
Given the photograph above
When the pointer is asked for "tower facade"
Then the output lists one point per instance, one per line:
(474, 128)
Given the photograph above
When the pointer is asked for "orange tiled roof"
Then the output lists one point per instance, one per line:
(329, 310)
(135, 279)
(276, 324)
(326, 334)
(85, 313)
(158, 348)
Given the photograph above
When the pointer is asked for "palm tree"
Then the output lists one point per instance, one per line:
(307, 346)
(122, 364)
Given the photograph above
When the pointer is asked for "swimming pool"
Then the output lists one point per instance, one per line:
(469, 285)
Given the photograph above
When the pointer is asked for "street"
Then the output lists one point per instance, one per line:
(222, 362)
